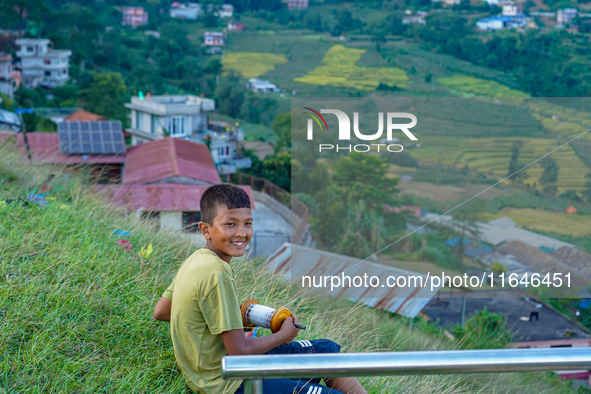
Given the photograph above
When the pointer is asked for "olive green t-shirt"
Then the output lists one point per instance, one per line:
(204, 304)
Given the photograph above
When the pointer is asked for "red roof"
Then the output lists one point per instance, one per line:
(161, 196)
(169, 157)
(83, 116)
(45, 149)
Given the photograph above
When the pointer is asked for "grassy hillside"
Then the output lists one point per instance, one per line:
(76, 307)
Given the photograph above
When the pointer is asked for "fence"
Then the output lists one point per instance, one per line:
(297, 207)
(253, 369)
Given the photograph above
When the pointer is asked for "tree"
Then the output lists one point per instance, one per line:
(230, 94)
(587, 191)
(514, 163)
(484, 330)
(282, 127)
(106, 96)
(550, 175)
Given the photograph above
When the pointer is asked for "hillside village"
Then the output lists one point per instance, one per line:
(174, 97)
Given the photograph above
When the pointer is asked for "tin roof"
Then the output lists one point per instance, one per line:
(170, 157)
(45, 149)
(294, 261)
(84, 116)
(161, 196)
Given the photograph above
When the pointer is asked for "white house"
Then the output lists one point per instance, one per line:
(492, 2)
(297, 4)
(6, 80)
(565, 16)
(134, 16)
(511, 10)
(42, 65)
(413, 20)
(185, 116)
(227, 11)
(214, 38)
(260, 86)
(189, 11)
(494, 23)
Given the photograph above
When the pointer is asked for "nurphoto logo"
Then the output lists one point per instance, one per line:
(344, 132)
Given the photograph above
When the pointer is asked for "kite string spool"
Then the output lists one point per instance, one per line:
(259, 315)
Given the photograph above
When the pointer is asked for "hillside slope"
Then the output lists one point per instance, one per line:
(76, 305)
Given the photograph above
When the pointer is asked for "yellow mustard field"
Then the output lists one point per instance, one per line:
(252, 64)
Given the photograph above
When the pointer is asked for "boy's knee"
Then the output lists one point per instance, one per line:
(326, 346)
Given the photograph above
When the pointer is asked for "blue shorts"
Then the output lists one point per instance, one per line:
(301, 386)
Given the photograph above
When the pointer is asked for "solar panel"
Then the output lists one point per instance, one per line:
(91, 138)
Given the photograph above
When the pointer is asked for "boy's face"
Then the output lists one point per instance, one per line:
(230, 233)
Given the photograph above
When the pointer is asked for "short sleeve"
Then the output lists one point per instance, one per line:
(220, 307)
(168, 292)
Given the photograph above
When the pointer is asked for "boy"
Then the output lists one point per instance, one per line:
(202, 306)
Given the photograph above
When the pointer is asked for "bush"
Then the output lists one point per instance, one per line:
(484, 330)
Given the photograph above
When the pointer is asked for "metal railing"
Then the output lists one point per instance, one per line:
(253, 369)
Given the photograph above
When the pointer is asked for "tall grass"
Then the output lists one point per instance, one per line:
(76, 308)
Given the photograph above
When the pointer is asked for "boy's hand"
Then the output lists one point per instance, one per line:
(288, 329)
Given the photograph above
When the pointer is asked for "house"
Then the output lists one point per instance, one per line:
(493, 23)
(185, 116)
(165, 179)
(7, 86)
(297, 4)
(511, 10)
(452, 2)
(260, 86)
(182, 11)
(413, 20)
(41, 65)
(235, 26)
(565, 16)
(214, 38)
(134, 16)
(9, 121)
(83, 116)
(492, 2)
(571, 210)
(227, 11)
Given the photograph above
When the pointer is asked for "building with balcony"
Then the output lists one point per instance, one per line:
(134, 16)
(185, 116)
(6, 79)
(214, 38)
(41, 65)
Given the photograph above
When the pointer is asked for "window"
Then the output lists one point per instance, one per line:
(177, 126)
(152, 216)
(191, 221)
(223, 152)
(30, 49)
(139, 120)
(48, 73)
(46, 61)
(154, 124)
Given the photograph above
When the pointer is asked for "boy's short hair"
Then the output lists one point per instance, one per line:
(224, 194)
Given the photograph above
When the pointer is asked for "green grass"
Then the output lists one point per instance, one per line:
(481, 87)
(76, 309)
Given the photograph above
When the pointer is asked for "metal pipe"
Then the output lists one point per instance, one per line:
(253, 386)
(401, 363)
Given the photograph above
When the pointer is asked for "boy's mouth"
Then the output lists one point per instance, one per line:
(238, 243)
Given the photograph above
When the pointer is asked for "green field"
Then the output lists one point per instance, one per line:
(492, 156)
(480, 87)
(339, 68)
(252, 64)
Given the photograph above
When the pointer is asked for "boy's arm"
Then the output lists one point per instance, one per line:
(237, 344)
(162, 309)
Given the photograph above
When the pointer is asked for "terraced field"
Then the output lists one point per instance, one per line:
(339, 69)
(492, 155)
(480, 87)
(546, 221)
(252, 64)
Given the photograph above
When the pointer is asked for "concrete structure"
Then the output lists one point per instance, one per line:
(188, 11)
(42, 65)
(235, 26)
(413, 20)
(565, 16)
(134, 16)
(452, 2)
(227, 11)
(185, 116)
(297, 4)
(214, 38)
(502, 21)
(511, 10)
(260, 86)
(6, 80)
(492, 2)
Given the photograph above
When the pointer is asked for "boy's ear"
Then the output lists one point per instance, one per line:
(204, 228)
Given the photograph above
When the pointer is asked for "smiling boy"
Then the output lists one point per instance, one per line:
(202, 306)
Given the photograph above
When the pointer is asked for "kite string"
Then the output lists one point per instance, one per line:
(449, 210)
